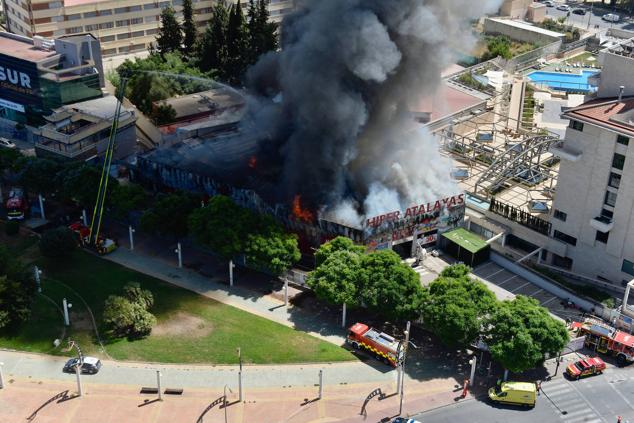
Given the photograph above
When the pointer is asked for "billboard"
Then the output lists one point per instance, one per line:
(426, 220)
(19, 83)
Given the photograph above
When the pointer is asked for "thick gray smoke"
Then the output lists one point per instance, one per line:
(349, 73)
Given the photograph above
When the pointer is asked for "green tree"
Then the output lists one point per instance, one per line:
(9, 160)
(126, 318)
(456, 271)
(336, 244)
(58, 242)
(127, 198)
(455, 307)
(520, 332)
(262, 33)
(390, 288)
(134, 293)
(271, 248)
(145, 89)
(237, 44)
(189, 27)
(338, 279)
(38, 175)
(212, 51)
(221, 225)
(498, 46)
(169, 214)
(80, 182)
(17, 289)
(170, 36)
(163, 114)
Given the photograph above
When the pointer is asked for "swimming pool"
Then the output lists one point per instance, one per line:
(564, 81)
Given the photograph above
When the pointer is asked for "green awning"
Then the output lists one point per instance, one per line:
(467, 240)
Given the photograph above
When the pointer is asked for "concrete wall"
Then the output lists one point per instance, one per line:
(581, 192)
(528, 35)
(617, 71)
(515, 8)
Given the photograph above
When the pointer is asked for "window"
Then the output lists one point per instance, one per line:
(73, 17)
(576, 125)
(618, 161)
(74, 30)
(120, 10)
(151, 31)
(615, 180)
(107, 38)
(607, 213)
(106, 12)
(610, 198)
(628, 267)
(565, 238)
(151, 19)
(150, 6)
(123, 36)
(134, 8)
(602, 237)
(137, 34)
(106, 25)
(90, 28)
(560, 215)
(90, 15)
(124, 22)
(622, 139)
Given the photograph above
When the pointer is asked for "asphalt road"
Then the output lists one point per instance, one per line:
(599, 398)
(593, 18)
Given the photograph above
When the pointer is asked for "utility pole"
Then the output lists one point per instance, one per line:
(343, 316)
(407, 330)
(41, 199)
(180, 255)
(66, 305)
(38, 281)
(231, 267)
(158, 384)
(131, 232)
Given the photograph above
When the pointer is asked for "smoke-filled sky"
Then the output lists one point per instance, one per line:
(343, 82)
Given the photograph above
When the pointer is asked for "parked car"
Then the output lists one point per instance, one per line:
(549, 3)
(587, 367)
(404, 420)
(5, 143)
(611, 17)
(91, 365)
(579, 11)
(563, 7)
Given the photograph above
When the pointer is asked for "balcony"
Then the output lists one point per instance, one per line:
(602, 223)
(560, 149)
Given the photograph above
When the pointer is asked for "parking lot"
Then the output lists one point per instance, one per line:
(517, 285)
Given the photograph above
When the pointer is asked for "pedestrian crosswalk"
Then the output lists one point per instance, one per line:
(569, 403)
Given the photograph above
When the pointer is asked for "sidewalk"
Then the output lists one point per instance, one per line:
(217, 289)
(23, 398)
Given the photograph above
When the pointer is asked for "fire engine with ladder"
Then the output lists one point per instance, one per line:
(382, 346)
(605, 339)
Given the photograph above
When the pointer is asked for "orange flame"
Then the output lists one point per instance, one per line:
(253, 162)
(299, 212)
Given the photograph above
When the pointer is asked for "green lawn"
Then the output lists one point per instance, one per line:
(191, 328)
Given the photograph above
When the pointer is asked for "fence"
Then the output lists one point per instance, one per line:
(527, 59)
(520, 216)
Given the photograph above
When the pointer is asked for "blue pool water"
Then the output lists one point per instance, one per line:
(564, 81)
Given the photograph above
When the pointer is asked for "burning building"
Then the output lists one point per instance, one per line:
(331, 132)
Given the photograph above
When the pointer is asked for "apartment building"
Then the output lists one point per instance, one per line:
(593, 211)
(122, 26)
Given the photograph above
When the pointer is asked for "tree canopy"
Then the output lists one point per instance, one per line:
(37, 175)
(169, 214)
(339, 278)
(336, 244)
(189, 27)
(126, 198)
(170, 36)
(79, 182)
(17, 289)
(456, 306)
(520, 332)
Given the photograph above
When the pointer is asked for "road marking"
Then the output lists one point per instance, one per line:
(517, 289)
(536, 292)
(549, 301)
(621, 395)
(506, 280)
(587, 402)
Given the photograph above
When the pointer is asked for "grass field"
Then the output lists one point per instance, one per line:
(190, 329)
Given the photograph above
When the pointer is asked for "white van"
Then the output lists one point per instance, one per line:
(611, 17)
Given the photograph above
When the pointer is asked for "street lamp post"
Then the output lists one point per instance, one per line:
(131, 232)
(178, 252)
(231, 267)
(239, 351)
(84, 218)
(286, 292)
(407, 330)
(343, 316)
(224, 400)
(321, 383)
(473, 363)
(66, 305)
(38, 282)
(158, 385)
(41, 200)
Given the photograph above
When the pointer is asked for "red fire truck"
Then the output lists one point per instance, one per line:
(605, 339)
(378, 344)
(17, 204)
(103, 245)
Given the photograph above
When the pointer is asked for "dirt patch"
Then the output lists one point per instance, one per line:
(80, 321)
(183, 324)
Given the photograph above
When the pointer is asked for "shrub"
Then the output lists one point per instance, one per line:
(12, 227)
(58, 242)
(126, 318)
(135, 294)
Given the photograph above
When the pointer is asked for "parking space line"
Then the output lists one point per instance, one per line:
(536, 292)
(517, 289)
(548, 301)
(506, 280)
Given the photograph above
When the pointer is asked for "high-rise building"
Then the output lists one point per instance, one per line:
(122, 26)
